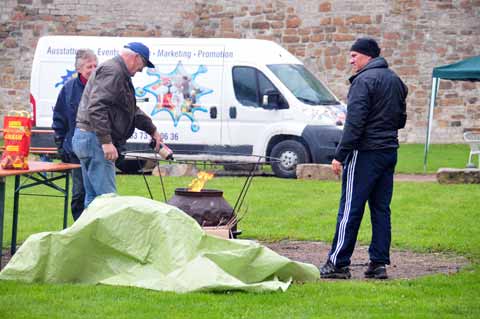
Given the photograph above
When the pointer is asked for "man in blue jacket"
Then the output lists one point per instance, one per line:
(64, 119)
(376, 110)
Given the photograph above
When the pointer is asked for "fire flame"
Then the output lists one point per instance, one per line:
(197, 184)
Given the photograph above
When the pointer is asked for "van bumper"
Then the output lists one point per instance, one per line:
(322, 141)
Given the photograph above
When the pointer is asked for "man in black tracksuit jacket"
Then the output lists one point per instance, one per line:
(376, 110)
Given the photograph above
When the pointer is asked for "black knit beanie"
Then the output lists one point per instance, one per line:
(367, 46)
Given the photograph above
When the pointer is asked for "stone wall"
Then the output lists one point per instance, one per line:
(415, 36)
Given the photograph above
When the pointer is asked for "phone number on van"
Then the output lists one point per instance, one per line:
(140, 135)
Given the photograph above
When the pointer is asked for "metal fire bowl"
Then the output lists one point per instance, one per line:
(207, 207)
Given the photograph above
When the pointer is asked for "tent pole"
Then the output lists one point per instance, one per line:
(433, 97)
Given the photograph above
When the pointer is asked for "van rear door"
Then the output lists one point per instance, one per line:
(49, 72)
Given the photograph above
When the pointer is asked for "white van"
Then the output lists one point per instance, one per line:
(210, 98)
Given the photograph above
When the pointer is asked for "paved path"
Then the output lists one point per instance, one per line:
(415, 178)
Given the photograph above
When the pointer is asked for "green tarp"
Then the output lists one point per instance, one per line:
(134, 241)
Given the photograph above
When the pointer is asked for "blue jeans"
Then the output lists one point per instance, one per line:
(98, 173)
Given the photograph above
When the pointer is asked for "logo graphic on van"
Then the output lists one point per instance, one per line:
(176, 93)
(66, 77)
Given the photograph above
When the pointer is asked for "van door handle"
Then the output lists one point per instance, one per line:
(233, 112)
(213, 112)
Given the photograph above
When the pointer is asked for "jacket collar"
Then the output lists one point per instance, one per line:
(82, 79)
(375, 63)
(123, 66)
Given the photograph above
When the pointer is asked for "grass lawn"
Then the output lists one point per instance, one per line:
(410, 157)
(425, 217)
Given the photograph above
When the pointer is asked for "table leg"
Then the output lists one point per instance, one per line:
(2, 209)
(65, 203)
(16, 196)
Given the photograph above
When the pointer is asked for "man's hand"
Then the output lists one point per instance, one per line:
(336, 167)
(110, 152)
(158, 140)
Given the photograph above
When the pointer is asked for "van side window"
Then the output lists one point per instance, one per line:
(250, 85)
(264, 84)
(245, 86)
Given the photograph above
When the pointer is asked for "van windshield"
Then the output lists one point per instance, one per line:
(303, 84)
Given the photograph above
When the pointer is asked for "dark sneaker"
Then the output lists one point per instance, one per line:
(376, 271)
(331, 272)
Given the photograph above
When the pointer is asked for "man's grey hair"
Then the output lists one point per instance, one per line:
(127, 51)
(82, 56)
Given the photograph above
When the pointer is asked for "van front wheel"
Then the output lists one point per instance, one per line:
(287, 154)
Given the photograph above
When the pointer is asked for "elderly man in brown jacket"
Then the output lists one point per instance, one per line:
(107, 117)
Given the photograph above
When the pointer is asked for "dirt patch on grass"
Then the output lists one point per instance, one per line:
(5, 258)
(404, 264)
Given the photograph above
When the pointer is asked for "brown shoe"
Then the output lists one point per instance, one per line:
(376, 271)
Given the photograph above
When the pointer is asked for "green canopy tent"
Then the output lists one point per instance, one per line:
(466, 70)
